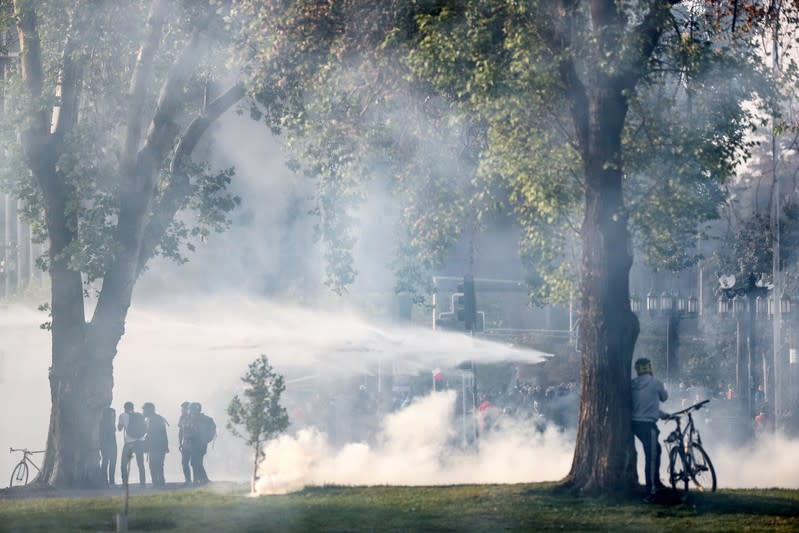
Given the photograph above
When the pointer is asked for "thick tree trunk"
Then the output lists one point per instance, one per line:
(80, 377)
(78, 398)
(604, 458)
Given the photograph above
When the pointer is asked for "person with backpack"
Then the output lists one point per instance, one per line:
(201, 430)
(135, 430)
(156, 443)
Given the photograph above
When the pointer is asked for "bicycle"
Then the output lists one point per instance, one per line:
(688, 460)
(20, 473)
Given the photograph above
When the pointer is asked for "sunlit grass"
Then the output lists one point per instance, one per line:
(533, 507)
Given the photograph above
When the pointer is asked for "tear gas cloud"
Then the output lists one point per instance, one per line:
(415, 447)
(193, 329)
(197, 350)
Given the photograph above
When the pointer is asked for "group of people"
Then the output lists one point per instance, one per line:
(146, 433)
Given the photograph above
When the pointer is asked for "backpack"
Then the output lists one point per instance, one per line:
(136, 427)
(206, 429)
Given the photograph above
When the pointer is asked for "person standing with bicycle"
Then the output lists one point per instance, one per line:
(647, 393)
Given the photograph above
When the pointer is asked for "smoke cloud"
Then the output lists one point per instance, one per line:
(770, 461)
(197, 349)
(417, 446)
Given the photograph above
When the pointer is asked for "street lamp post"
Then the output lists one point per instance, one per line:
(747, 300)
(673, 307)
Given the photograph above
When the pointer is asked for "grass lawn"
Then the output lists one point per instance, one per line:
(530, 507)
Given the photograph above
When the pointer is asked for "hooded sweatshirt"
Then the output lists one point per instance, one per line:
(648, 392)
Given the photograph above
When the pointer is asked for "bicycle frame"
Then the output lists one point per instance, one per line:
(26, 456)
(687, 444)
(687, 437)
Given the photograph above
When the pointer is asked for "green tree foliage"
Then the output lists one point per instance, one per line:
(684, 137)
(351, 112)
(259, 417)
(461, 108)
(578, 118)
(103, 110)
(101, 33)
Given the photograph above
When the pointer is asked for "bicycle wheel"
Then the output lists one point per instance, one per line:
(702, 472)
(678, 473)
(19, 476)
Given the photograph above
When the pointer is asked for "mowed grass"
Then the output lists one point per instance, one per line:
(533, 507)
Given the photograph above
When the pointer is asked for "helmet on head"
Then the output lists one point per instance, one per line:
(643, 366)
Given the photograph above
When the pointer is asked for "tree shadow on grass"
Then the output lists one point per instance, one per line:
(141, 524)
(743, 503)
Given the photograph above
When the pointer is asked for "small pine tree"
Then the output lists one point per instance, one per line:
(260, 417)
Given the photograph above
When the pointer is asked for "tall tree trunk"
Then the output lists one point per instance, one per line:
(80, 391)
(604, 457)
(80, 382)
(81, 376)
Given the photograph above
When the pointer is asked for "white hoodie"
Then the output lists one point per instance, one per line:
(648, 392)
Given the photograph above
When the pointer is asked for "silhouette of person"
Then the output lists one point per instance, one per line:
(156, 443)
(108, 444)
(129, 424)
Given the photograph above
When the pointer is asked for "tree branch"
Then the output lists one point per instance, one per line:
(200, 125)
(138, 82)
(644, 39)
(136, 193)
(41, 156)
(30, 54)
(178, 189)
(71, 69)
(164, 128)
(561, 44)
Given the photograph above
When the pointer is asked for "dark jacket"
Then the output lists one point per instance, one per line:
(156, 440)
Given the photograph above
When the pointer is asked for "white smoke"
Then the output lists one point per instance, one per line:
(417, 446)
(196, 349)
(770, 461)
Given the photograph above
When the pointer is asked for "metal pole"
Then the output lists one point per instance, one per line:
(11, 246)
(742, 376)
(3, 249)
(435, 290)
(775, 221)
(463, 408)
(668, 349)
(701, 280)
(751, 356)
(571, 315)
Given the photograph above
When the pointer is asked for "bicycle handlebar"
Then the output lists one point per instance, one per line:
(694, 407)
(24, 450)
